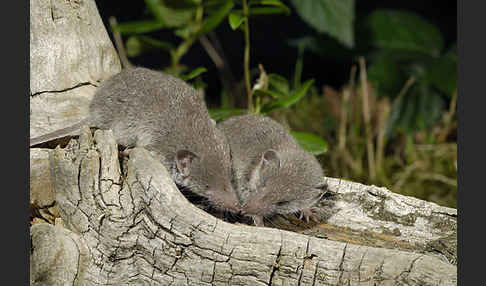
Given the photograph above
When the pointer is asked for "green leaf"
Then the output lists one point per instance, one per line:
(182, 4)
(333, 17)
(278, 83)
(183, 32)
(278, 3)
(139, 27)
(267, 11)
(138, 44)
(223, 113)
(215, 18)
(442, 73)
(310, 142)
(418, 110)
(404, 31)
(263, 92)
(134, 46)
(288, 101)
(171, 13)
(262, 11)
(266, 2)
(431, 107)
(193, 73)
(176, 71)
(154, 8)
(157, 43)
(385, 75)
(195, 2)
(235, 20)
(211, 3)
(199, 84)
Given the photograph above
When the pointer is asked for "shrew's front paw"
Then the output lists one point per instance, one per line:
(309, 214)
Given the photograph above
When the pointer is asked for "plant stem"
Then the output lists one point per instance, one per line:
(448, 119)
(298, 67)
(438, 177)
(353, 164)
(405, 88)
(119, 44)
(366, 116)
(346, 95)
(246, 63)
(187, 43)
(181, 50)
(199, 15)
(384, 113)
(404, 175)
(212, 53)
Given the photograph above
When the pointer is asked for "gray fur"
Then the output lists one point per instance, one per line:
(272, 173)
(165, 115)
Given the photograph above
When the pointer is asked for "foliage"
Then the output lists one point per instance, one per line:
(410, 47)
(391, 127)
(411, 82)
(329, 16)
(403, 46)
(188, 20)
(408, 164)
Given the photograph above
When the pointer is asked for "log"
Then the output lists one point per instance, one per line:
(126, 223)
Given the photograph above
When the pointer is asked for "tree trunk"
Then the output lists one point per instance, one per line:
(128, 224)
(70, 54)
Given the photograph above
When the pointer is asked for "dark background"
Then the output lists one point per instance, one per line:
(268, 35)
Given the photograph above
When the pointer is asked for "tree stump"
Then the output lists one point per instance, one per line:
(126, 223)
(70, 54)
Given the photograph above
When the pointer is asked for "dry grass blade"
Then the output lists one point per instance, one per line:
(366, 116)
(119, 44)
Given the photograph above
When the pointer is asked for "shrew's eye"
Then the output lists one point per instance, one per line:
(282, 203)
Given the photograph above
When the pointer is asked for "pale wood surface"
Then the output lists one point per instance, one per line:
(130, 225)
(70, 54)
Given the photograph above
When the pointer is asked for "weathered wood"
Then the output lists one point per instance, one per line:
(70, 53)
(42, 199)
(130, 225)
(41, 193)
(373, 216)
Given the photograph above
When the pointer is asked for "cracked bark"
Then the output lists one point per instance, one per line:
(128, 224)
(70, 53)
(64, 90)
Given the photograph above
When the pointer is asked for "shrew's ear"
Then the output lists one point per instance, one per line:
(184, 159)
(268, 159)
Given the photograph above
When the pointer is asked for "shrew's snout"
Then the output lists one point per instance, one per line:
(226, 199)
(252, 207)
